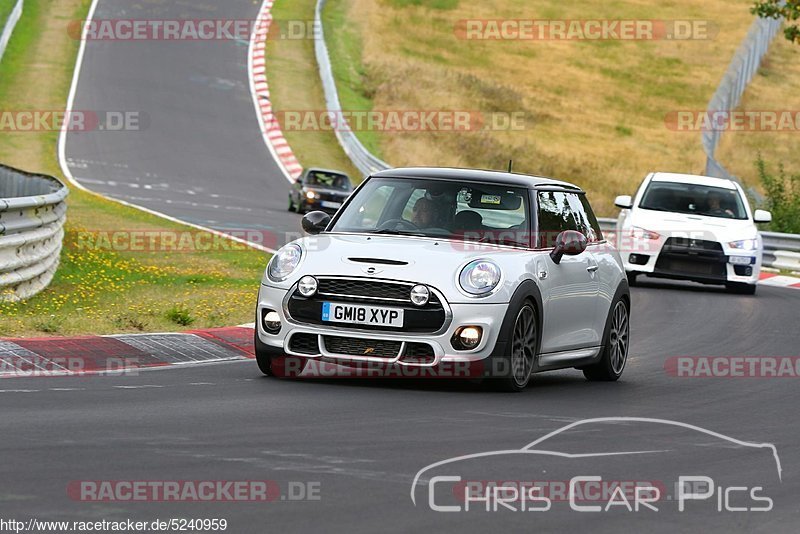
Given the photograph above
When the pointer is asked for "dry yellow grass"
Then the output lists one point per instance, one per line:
(595, 110)
(776, 87)
(295, 86)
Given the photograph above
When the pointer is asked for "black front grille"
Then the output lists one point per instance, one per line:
(418, 353)
(692, 258)
(364, 288)
(428, 318)
(304, 344)
(352, 346)
(693, 244)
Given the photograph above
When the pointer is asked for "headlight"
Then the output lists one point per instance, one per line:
(479, 277)
(641, 233)
(744, 244)
(310, 195)
(284, 262)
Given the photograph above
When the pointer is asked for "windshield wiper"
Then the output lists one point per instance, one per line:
(389, 231)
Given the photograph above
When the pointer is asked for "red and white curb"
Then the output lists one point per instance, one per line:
(778, 280)
(122, 353)
(270, 129)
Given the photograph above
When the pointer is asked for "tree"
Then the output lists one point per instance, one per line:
(789, 10)
(783, 197)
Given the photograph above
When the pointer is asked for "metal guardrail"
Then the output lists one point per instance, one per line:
(8, 28)
(781, 251)
(32, 215)
(364, 161)
(741, 70)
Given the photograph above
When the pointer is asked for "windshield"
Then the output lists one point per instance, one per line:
(486, 213)
(329, 180)
(695, 199)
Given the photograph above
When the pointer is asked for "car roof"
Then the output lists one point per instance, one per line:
(692, 179)
(476, 175)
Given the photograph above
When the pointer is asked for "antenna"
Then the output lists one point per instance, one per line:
(510, 164)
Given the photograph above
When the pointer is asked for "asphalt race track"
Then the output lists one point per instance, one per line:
(359, 444)
(362, 442)
(197, 152)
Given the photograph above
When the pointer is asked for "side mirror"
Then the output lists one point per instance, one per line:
(570, 243)
(624, 201)
(315, 222)
(762, 216)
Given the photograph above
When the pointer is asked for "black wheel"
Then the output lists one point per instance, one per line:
(517, 364)
(615, 346)
(632, 279)
(740, 288)
(275, 363)
(291, 204)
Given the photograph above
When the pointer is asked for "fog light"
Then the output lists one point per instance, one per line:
(307, 286)
(420, 295)
(467, 338)
(272, 321)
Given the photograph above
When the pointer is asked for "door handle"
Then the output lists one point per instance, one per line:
(591, 268)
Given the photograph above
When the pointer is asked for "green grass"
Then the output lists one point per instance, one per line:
(98, 289)
(6, 6)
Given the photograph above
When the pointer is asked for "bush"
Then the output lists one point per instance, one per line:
(783, 197)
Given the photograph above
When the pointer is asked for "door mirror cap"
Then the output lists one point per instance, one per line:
(569, 243)
(762, 216)
(624, 201)
(315, 222)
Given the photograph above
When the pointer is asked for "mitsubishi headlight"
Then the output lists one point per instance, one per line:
(284, 262)
(479, 277)
(744, 244)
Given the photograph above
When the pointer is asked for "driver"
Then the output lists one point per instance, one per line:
(714, 200)
(424, 213)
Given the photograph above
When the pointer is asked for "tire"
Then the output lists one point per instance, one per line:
(616, 343)
(291, 204)
(520, 354)
(275, 363)
(741, 288)
(632, 279)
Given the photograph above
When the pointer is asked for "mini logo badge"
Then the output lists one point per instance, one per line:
(372, 270)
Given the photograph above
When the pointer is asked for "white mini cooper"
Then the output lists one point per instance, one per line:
(428, 267)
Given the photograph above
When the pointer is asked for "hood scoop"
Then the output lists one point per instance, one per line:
(379, 261)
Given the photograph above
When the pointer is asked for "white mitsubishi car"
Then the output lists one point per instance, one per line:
(689, 227)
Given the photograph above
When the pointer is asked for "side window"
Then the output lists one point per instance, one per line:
(559, 211)
(593, 222)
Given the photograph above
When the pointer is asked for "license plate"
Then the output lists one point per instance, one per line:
(740, 260)
(330, 204)
(337, 312)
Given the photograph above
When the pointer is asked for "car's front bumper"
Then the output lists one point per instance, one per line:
(487, 316)
(710, 267)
